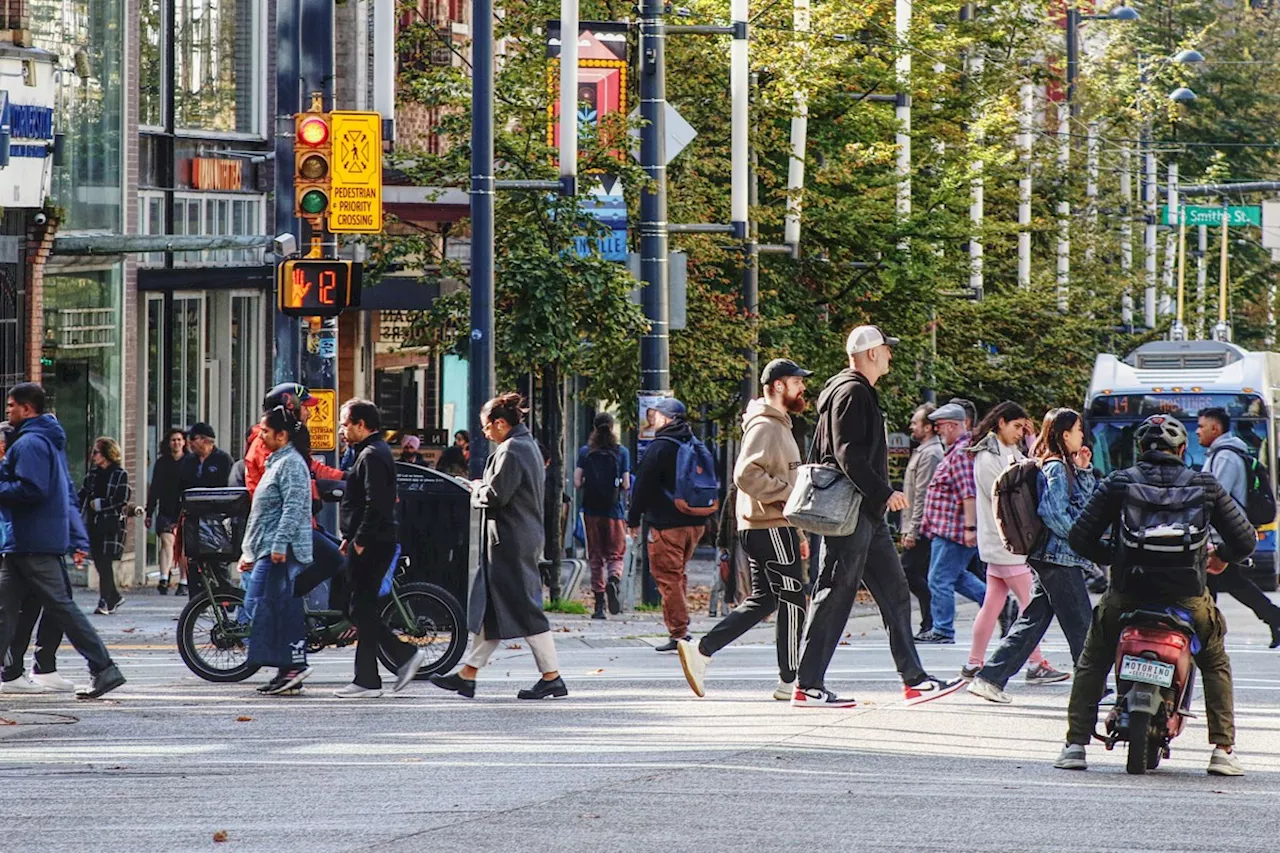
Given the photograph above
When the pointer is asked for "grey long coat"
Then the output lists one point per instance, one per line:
(506, 595)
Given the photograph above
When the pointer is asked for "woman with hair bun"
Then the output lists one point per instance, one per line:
(506, 596)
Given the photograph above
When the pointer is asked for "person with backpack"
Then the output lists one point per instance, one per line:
(1158, 513)
(603, 473)
(1232, 465)
(675, 491)
(1060, 484)
(997, 444)
(850, 436)
(765, 475)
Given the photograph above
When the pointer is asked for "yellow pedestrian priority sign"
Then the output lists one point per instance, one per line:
(323, 423)
(355, 205)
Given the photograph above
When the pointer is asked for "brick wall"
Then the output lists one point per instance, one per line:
(39, 244)
(133, 321)
(15, 21)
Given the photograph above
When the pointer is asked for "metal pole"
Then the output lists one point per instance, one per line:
(1179, 331)
(1091, 192)
(977, 212)
(286, 329)
(800, 23)
(1202, 278)
(902, 67)
(751, 272)
(1126, 234)
(1026, 118)
(1166, 283)
(568, 97)
(1064, 209)
(1149, 236)
(739, 96)
(1073, 55)
(1222, 332)
(480, 374)
(655, 358)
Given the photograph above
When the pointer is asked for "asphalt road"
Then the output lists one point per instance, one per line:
(631, 761)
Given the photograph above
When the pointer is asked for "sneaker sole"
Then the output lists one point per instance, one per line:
(929, 697)
(985, 698)
(698, 690)
(376, 694)
(812, 705)
(1054, 679)
(291, 683)
(1071, 765)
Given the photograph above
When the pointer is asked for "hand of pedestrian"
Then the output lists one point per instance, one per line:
(278, 558)
(344, 547)
(897, 502)
(1215, 564)
(1084, 457)
(78, 558)
(908, 541)
(970, 538)
(633, 532)
(359, 548)
(245, 567)
(804, 547)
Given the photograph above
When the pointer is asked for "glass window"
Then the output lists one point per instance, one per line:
(151, 65)
(151, 221)
(87, 37)
(246, 345)
(1113, 447)
(82, 351)
(217, 65)
(188, 358)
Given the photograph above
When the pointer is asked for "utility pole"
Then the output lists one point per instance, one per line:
(1126, 234)
(1064, 208)
(480, 375)
(1166, 282)
(655, 352)
(1091, 191)
(741, 85)
(1149, 237)
(800, 22)
(287, 334)
(977, 186)
(1026, 119)
(751, 269)
(1202, 278)
(902, 68)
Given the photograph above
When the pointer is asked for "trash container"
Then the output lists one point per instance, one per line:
(434, 512)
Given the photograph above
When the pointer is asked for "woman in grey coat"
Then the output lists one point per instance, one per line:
(506, 595)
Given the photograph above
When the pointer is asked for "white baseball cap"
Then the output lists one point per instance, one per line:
(864, 338)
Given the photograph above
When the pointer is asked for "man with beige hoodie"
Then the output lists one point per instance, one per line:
(765, 474)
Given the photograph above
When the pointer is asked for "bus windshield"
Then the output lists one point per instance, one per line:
(1113, 441)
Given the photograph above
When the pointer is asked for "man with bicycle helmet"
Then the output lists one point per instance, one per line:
(298, 401)
(1137, 506)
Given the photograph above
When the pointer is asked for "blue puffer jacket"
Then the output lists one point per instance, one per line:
(1060, 506)
(37, 497)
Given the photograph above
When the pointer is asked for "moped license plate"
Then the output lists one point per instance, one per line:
(1146, 671)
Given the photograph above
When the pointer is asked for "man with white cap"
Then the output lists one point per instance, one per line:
(850, 435)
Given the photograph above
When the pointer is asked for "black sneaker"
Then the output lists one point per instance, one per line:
(819, 697)
(163, 587)
(923, 632)
(455, 683)
(103, 682)
(102, 609)
(553, 689)
(1275, 636)
(968, 672)
(288, 680)
(182, 589)
(929, 689)
(673, 644)
(611, 593)
(936, 639)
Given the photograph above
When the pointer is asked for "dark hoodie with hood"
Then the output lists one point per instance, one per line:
(851, 434)
(656, 481)
(36, 492)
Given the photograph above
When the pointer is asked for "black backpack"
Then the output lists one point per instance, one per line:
(602, 480)
(1017, 507)
(1259, 500)
(1164, 531)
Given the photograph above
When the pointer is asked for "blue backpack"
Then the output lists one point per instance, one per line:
(697, 491)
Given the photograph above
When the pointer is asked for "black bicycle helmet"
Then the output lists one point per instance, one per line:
(1160, 432)
(291, 395)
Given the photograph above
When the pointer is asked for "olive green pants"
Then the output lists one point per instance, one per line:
(1099, 657)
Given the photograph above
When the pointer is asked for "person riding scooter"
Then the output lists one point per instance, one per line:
(1159, 500)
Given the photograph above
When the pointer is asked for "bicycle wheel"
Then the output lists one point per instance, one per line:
(435, 623)
(215, 650)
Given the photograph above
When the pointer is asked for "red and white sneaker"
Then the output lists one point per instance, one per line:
(929, 689)
(819, 697)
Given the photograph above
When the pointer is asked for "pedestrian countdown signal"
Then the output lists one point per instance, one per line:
(307, 287)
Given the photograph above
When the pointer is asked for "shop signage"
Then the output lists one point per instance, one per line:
(26, 115)
(355, 205)
(208, 173)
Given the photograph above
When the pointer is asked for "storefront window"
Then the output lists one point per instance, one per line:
(82, 355)
(87, 37)
(218, 65)
(151, 65)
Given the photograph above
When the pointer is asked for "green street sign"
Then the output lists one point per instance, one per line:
(1241, 214)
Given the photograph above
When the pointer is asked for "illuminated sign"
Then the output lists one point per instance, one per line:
(317, 288)
(1178, 405)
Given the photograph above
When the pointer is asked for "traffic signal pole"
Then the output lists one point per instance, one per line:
(288, 102)
(480, 373)
(655, 345)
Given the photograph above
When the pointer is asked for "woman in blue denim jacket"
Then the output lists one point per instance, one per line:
(1066, 484)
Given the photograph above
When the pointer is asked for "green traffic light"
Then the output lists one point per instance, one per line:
(314, 201)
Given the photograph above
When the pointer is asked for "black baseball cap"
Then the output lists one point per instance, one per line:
(201, 429)
(781, 368)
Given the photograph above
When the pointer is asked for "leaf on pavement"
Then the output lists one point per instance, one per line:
(244, 719)
(220, 836)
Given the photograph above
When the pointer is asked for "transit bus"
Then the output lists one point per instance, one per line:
(1182, 378)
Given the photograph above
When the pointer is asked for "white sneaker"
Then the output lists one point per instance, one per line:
(53, 681)
(1223, 763)
(694, 663)
(23, 684)
(355, 691)
(784, 691)
(985, 689)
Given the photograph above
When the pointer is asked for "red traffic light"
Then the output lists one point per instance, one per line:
(313, 131)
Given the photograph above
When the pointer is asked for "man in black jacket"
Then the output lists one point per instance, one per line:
(851, 435)
(1162, 441)
(673, 536)
(367, 519)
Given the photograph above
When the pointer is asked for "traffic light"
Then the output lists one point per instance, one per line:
(313, 160)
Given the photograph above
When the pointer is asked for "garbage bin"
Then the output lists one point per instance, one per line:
(434, 512)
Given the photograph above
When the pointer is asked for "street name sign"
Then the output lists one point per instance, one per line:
(1211, 215)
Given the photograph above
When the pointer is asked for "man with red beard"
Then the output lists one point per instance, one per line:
(765, 474)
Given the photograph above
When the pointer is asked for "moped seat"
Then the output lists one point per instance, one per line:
(1156, 617)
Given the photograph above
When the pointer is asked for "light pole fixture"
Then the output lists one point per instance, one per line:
(1182, 95)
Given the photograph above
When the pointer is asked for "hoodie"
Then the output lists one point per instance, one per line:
(851, 434)
(36, 493)
(656, 481)
(1227, 466)
(990, 459)
(766, 469)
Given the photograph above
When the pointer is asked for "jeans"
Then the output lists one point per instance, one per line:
(1058, 590)
(948, 575)
(48, 638)
(44, 577)
(367, 571)
(775, 580)
(279, 634)
(867, 556)
(915, 565)
(1099, 657)
(1234, 582)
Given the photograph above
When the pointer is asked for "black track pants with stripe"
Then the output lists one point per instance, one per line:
(776, 584)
